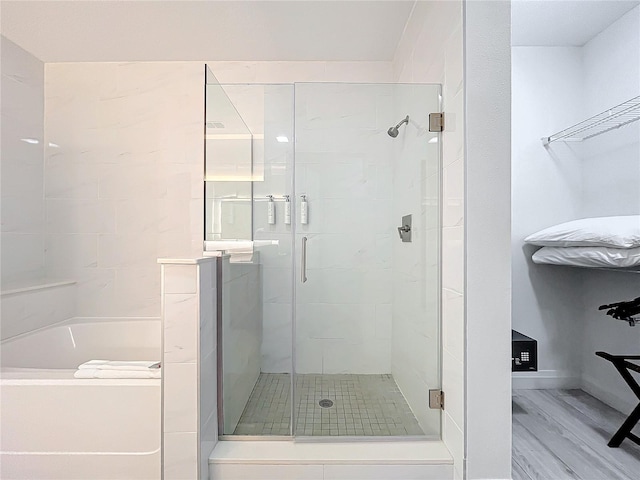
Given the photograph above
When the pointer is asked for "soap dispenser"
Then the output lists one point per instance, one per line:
(304, 210)
(287, 210)
(271, 210)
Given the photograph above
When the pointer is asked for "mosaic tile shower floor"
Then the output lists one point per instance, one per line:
(363, 405)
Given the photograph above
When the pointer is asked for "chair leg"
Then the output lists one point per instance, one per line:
(625, 430)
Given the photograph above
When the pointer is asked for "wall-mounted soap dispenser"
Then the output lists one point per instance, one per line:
(304, 210)
(271, 210)
(287, 210)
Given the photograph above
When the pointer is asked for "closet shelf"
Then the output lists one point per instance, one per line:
(635, 270)
(615, 117)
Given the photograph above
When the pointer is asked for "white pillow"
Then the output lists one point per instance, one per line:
(588, 256)
(619, 232)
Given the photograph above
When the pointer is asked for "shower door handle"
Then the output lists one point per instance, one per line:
(303, 261)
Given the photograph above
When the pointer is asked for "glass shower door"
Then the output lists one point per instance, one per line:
(367, 193)
(249, 172)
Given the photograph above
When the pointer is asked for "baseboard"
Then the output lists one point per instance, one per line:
(607, 396)
(544, 379)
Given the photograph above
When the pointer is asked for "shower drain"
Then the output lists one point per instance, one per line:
(325, 403)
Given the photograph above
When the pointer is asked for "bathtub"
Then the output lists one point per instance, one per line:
(54, 426)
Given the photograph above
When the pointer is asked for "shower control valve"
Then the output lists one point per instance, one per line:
(405, 230)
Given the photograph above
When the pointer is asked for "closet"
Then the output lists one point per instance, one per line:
(575, 233)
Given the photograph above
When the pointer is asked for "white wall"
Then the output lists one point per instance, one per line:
(547, 97)
(488, 237)
(22, 229)
(611, 176)
(431, 51)
(124, 187)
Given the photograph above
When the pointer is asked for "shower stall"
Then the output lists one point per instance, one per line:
(326, 221)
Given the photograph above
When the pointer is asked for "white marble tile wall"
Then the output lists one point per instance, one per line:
(242, 335)
(123, 183)
(25, 310)
(189, 410)
(431, 51)
(416, 191)
(344, 166)
(22, 227)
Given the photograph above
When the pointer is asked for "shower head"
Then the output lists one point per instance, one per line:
(393, 131)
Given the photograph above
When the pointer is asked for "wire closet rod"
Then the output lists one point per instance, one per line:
(611, 119)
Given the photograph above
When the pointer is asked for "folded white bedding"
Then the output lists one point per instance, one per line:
(98, 373)
(588, 256)
(119, 365)
(615, 232)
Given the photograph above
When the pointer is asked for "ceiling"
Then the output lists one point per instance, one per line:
(562, 22)
(122, 30)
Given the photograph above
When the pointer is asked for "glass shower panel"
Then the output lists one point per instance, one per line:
(261, 397)
(366, 298)
(229, 151)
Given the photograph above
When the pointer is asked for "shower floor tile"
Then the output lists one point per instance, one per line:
(363, 405)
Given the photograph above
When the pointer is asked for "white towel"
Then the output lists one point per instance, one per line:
(133, 365)
(98, 373)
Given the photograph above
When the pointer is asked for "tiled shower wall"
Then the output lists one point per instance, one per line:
(124, 183)
(344, 164)
(22, 164)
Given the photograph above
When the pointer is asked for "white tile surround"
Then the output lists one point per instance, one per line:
(22, 228)
(189, 359)
(124, 187)
(33, 305)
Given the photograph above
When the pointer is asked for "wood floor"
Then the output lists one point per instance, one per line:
(563, 434)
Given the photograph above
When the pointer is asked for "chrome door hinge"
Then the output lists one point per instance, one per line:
(436, 122)
(436, 399)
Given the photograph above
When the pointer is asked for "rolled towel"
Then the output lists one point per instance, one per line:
(132, 365)
(97, 373)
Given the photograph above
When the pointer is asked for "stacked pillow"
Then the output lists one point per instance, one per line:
(590, 242)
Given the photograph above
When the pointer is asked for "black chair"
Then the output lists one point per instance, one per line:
(625, 367)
